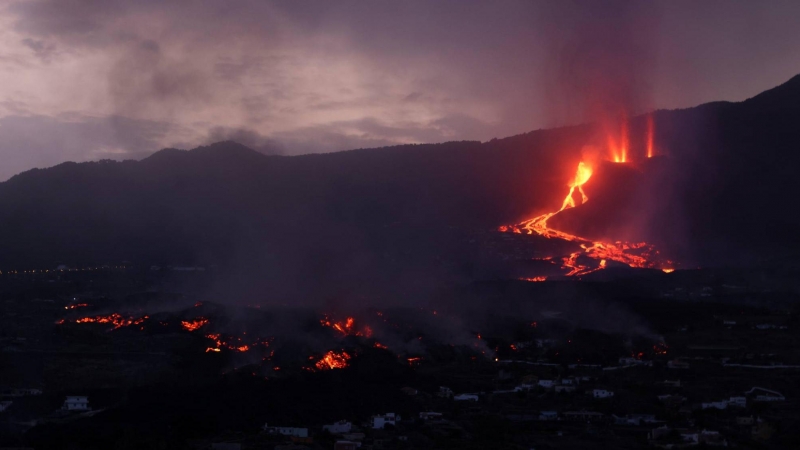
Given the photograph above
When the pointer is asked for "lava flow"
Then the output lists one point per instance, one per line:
(638, 254)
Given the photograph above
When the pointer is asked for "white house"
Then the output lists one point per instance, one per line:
(428, 415)
(547, 384)
(287, 431)
(445, 392)
(378, 422)
(466, 397)
(766, 395)
(561, 388)
(339, 427)
(723, 404)
(739, 402)
(76, 403)
(602, 393)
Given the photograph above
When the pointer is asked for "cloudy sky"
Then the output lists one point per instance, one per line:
(90, 79)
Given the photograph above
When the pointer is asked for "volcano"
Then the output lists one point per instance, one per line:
(716, 190)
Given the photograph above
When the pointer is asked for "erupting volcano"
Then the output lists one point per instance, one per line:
(632, 254)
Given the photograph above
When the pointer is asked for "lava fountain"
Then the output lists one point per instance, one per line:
(632, 254)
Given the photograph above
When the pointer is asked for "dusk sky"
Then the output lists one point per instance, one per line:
(90, 79)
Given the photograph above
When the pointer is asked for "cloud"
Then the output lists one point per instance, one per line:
(375, 73)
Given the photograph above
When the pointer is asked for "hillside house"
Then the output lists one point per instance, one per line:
(765, 395)
(602, 393)
(380, 421)
(287, 431)
(76, 403)
(339, 427)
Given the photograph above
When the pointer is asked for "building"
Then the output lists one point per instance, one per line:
(445, 392)
(379, 422)
(430, 415)
(76, 403)
(547, 384)
(287, 431)
(548, 415)
(561, 388)
(635, 419)
(765, 395)
(723, 404)
(602, 393)
(339, 427)
(584, 416)
(466, 397)
(739, 402)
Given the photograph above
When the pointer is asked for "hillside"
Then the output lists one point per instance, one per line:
(723, 191)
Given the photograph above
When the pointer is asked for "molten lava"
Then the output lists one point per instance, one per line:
(650, 136)
(333, 360)
(117, 320)
(192, 325)
(347, 327)
(638, 254)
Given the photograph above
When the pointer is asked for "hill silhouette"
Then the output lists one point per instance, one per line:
(723, 190)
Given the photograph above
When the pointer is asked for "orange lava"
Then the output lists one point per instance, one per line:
(333, 360)
(346, 328)
(534, 279)
(115, 319)
(192, 325)
(632, 254)
(77, 305)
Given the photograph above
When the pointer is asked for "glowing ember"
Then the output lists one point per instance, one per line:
(534, 279)
(346, 328)
(333, 360)
(114, 319)
(77, 305)
(414, 361)
(192, 325)
(379, 345)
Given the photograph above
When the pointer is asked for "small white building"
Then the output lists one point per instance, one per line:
(561, 388)
(739, 402)
(339, 427)
(766, 395)
(287, 431)
(548, 415)
(379, 422)
(76, 403)
(445, 392)
(547, 384)
(466, 397)
(723, 404)
(602, 393)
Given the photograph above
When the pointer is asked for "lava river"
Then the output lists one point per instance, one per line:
(632, 254)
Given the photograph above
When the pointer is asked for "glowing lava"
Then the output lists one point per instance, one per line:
(638, 254)
(117, 320)
(192, 325)
(346, 327)
(333, 360)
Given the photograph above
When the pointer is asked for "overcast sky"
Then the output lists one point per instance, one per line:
(90, 79)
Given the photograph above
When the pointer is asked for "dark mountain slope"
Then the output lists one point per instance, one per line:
(363, 215)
